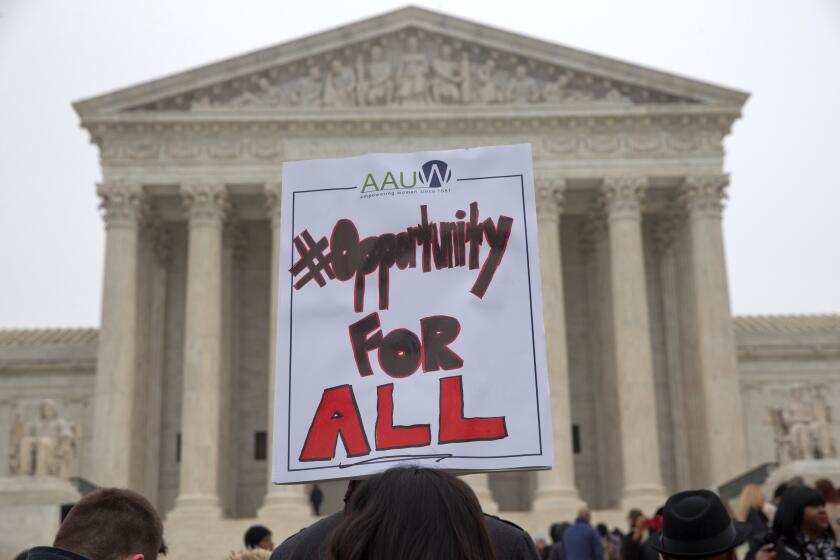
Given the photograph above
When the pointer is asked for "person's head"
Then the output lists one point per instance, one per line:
(556, 531)
(752, 497)
(583, 513)
(695, 525)
(48, 409)
(112, 524)
(633, 517)
(825, 487)
(258, 536)
(539, 542)
(802, 509)
(412, 513)
(777, 493)
(602, 529)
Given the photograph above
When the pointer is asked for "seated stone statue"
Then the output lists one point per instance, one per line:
(44, 447)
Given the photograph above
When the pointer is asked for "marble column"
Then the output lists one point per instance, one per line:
(667, 244)
(206, 206)
(281, 501)
(633, 355)
(556, 489)
(116, 402)
(717, 362)
(156, 258)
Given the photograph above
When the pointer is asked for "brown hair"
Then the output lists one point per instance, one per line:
(110, 524)
(827, 489)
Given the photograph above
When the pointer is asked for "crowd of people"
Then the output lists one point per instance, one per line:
(415, 513)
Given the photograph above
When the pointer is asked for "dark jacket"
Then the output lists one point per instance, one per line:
(582, 542)
(642, 550)
(555, 552)
(509, 541)
(758, 535)
(50, 553)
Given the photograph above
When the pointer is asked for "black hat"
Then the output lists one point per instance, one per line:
(696, 524)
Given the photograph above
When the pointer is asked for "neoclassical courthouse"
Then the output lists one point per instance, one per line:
(655, 386)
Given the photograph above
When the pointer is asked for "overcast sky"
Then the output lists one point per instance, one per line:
(782, 223)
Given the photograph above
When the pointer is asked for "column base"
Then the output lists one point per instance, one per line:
(284, 502)
(646, 497)
(563, 501)
(196, 506)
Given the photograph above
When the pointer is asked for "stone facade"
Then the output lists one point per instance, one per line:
(778, 355)
(628, 165)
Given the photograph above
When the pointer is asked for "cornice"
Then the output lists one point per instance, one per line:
(675, 113)
(790, 352)
(42, 366)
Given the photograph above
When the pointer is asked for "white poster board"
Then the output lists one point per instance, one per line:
(410, 325)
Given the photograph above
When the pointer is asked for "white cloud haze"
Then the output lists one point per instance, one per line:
(781, 225)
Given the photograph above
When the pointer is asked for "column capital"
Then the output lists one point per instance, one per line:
(623, 196)
(273, 204)
(705, 194)
(205, 203)
(550, 198)
(122, 203)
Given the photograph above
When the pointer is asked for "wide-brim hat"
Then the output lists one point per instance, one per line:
(696, 524)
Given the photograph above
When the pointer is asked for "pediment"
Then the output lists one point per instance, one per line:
(411, 58)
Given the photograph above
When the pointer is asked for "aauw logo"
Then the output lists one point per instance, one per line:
(435, 173)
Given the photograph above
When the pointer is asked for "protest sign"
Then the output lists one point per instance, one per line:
(410, 323)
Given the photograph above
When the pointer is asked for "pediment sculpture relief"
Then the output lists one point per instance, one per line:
(413, 69)
(45, 446)
(802, 427)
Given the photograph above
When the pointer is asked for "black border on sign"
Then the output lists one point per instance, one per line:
(439, 457)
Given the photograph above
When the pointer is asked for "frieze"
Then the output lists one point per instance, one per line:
(547, 141)
(411, 68)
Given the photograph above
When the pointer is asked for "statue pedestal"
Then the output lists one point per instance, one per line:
(30, 511)
(809, 469)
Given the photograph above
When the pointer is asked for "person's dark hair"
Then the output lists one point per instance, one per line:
(828, 490)
(602, 529)
(254, 535)
(112, 523)
(22, 555)
(412, 513)
(556, 531)
(788, 517)
(780, 489)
